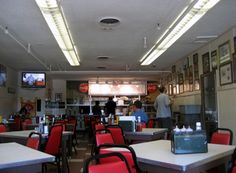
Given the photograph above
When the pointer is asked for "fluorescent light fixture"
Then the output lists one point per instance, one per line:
(187, 18)
(54, 16)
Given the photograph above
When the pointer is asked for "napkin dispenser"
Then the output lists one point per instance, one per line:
(189, 142)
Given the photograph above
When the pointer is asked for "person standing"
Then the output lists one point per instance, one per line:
(97, 109)
(110, 107)
(138, 112)
(162, 106)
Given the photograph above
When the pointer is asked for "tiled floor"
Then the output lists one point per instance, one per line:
(83, 151)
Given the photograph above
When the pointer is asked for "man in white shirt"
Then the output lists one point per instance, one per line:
(162, 106)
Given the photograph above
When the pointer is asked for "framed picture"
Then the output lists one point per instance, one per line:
(58, 97)
(196, 85)
(3, 75)
(234, 67)
(226, 75)
(195, 58)
(224, 52)
(173, 69)
(234, 44)
(214, 60)
(206, 63)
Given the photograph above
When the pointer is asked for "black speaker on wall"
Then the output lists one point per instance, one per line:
(38, 105)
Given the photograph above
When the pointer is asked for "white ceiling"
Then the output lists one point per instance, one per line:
(123, 44)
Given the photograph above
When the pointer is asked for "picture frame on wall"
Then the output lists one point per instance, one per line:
(195, 66)
(58, 97)
(224, 52)
(206, 63)
(234, 44)
(3, 75)
(234, 66)
(181, 82)
(225, 73)
(190, 78)
(214, 60)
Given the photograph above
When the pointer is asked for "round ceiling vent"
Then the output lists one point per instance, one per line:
(109, 22)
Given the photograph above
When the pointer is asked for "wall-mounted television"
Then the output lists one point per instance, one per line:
(33, 80)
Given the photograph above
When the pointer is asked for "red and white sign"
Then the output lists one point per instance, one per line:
(83, 87)
(151, 87)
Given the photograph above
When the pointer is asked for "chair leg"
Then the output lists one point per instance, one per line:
(74, 147)
(58, 165)
(67, 164)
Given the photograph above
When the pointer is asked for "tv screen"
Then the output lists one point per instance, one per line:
(33, 80)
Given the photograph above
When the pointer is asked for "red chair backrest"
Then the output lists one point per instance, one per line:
(120, 166)
(34, 140)
(150, 123)
(54, 140)
(104, 138)
(25, 122)
(61, 122)
(99, 126)
(117, 134)
(234, 169)
(129, 154)
(2, 128)
(222, 136)
(17, 125)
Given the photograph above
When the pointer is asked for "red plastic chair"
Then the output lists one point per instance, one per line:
(152, 123)
(101, 137)
(34, 140)
(129, 154)
(120, 166)
(222, 136)
(17, 125)
(25, 123)
(117, 134)
(53, 145)
(61, 122)
(104, 138)
(2, 128)
(99, 126)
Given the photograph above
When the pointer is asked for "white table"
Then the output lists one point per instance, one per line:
(147, 134)
(156, 156)
(21, 137)
(21, 159)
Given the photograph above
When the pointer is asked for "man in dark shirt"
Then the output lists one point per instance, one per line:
(110, 107)
(97, 109)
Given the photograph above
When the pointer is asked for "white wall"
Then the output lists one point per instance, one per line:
(59, 86)
(8, 100)
(226, 95)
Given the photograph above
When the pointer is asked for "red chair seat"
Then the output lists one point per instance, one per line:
(115, 167)
(120, 166)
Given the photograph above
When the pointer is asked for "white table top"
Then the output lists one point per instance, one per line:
(13, 155)
(25, 134)
(149, 131)
(159, 153)
(153, 130)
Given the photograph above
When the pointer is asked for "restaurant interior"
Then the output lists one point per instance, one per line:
(58, 58)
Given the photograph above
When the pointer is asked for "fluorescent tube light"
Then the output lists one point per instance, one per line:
(189, 16)
(54, 16)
